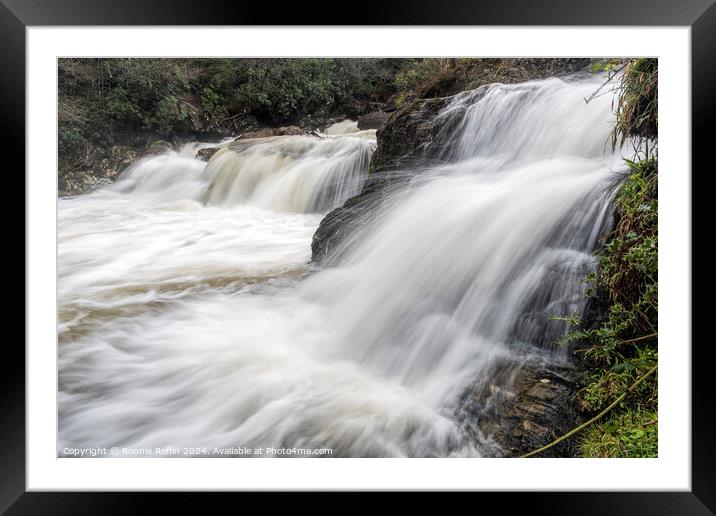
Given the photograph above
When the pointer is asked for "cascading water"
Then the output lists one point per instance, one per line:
(290, 173)
(188, 319)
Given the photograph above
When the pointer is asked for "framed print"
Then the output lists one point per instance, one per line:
(417, 252)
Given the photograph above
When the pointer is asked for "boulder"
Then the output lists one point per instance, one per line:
(100, 170)
(290, 130)
(260, 133)
(120, 157)
(412, 138)
(206, 153)
(374, 120)
(523, 410)
(79, 182)
(265, 132)
(159, 147)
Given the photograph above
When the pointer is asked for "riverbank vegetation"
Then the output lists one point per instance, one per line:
(134, 102)
(620, 346)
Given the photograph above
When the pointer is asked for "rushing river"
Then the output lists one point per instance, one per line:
(190, 315)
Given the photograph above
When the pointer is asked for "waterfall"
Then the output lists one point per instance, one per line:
(290, 173)
(306, 174)
(190, 316)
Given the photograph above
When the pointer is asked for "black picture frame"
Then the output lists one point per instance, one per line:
(700, 15)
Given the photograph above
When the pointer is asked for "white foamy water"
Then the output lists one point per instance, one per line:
(290, 173)
(190, 316)
(343, 127)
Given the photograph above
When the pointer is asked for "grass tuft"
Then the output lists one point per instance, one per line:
(632, 433)
(637, 104)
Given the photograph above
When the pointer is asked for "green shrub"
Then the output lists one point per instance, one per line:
(420, 75)
(623, 345)
(213, 105)
(101, 98)
(631, 433)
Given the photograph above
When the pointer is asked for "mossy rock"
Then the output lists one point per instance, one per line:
(206, 154)
(159, 147)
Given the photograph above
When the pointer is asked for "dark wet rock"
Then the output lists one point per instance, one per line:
(342, 222)
(410, 141)
(374, 120)
(207, 153)
(413, 136)
(596, 309)
(524, 410)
